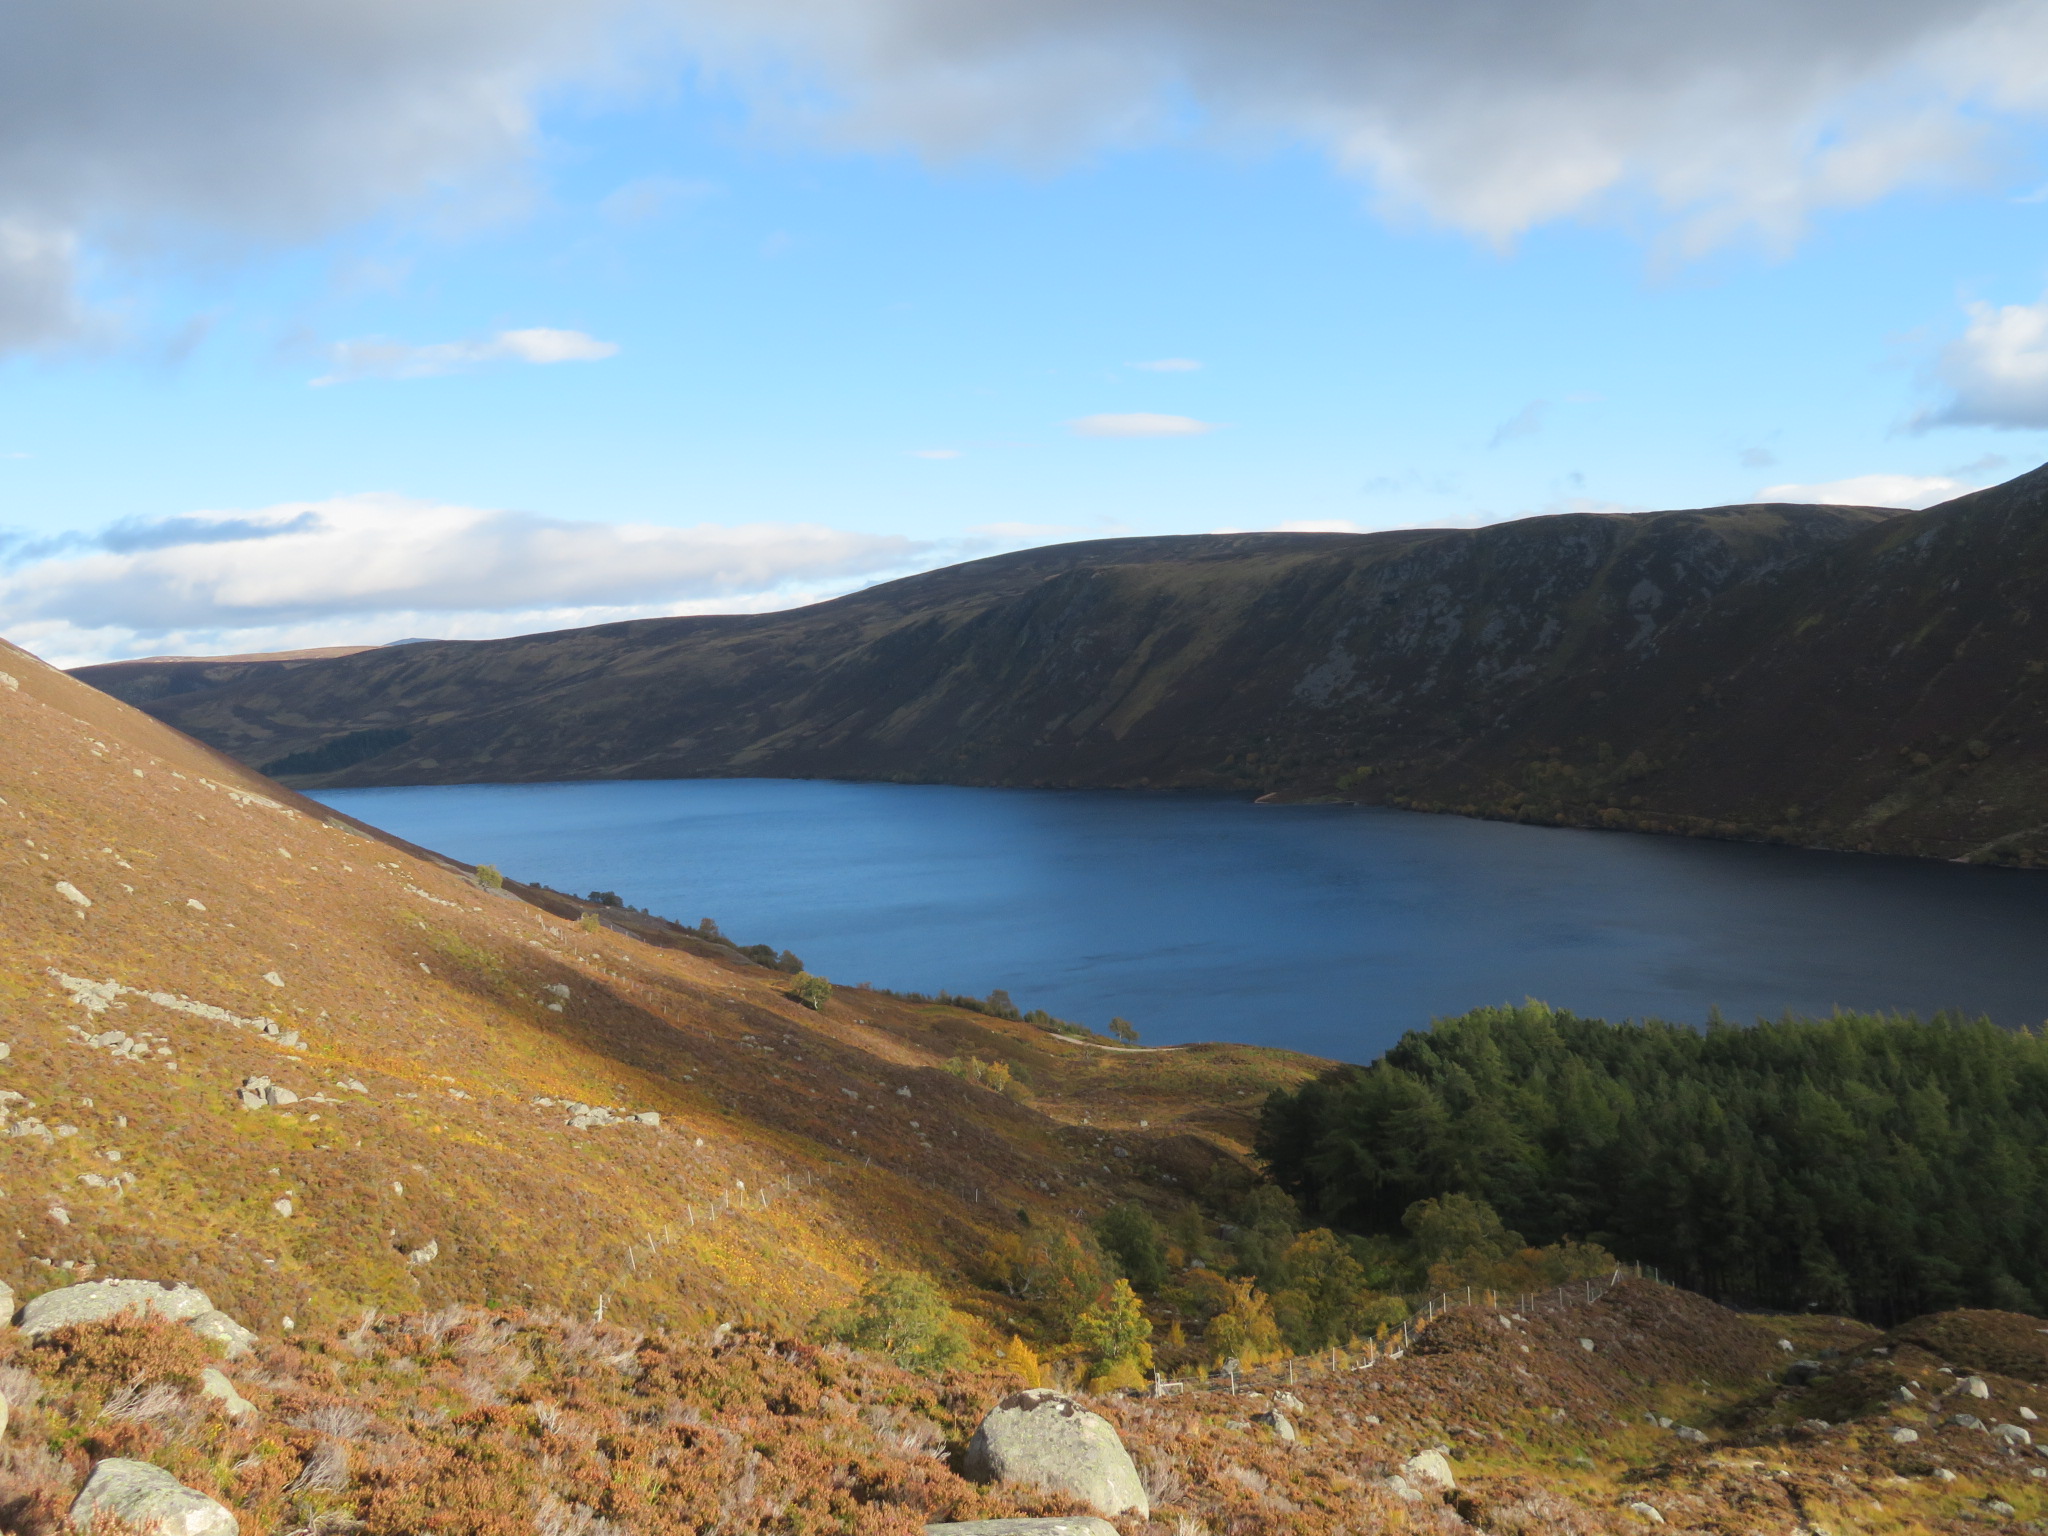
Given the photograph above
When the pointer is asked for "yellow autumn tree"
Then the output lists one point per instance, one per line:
(1244, 1330)
(1023, 1360)
(1116, 1337)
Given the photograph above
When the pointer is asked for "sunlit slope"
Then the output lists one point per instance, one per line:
(174, 929)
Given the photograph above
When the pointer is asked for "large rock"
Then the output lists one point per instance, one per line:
(1277, 1422)
(222, 1329)
(95, 1301)
(1049, 1441)
(1431, 1469)
(150, 1500)
(6, 1301)
(1065, 1525)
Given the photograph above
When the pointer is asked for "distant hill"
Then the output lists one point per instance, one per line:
(1833, 676)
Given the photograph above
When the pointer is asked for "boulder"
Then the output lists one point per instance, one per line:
(1289, 1402)
(1432, 1469)
(95, 1301)
(1690, 1435)
(1976, 1386)
(214, 1384)
(1047, 1440)
(148, 1499)
(1277, 1422)
(224, 1330)
(2012, 1434)
(1065, 1525)
(1905, 1436)
(1649, 1512)
(7, 1304)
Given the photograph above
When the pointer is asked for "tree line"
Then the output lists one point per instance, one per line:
(1877, 1165)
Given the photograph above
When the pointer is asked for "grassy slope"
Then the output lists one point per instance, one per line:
(403, 974)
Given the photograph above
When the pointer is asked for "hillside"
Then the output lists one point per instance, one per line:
(1253, 661)
(533, 1207)
(445, 1033)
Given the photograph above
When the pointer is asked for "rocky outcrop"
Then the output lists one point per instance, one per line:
(225, 1331)
(148, 1499)
(94, 1301)
(1047, 1440)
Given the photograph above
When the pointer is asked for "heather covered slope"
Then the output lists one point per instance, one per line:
(1835, 677)
(446, 1033)
(1250, 661)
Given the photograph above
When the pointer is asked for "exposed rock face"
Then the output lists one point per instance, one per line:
(149, 1499)
(97, 1300)
(222, 1329)
(1049, 1441)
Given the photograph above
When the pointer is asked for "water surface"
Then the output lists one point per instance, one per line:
(1328, 929)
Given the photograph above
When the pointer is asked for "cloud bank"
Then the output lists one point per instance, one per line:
(1141, 424)
(1996, 372)
(131, 127)
(376, 358)
(374, 567)
(1910, 491)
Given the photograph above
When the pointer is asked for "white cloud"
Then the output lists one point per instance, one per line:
(133, 127)
(1169, 365)
(1996, 372)
(1141, 424)
(362, 566)
(1913, 491)
(375, 358)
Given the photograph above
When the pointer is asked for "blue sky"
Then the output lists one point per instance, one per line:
(511, 324)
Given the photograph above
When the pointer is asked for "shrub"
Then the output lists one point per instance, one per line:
(489, 877)
(1132, 1240)
(788, 964)
(902, 1315)
(1124, 1030)
(589, 922)
(812, 991)
(995, 1076)
(605, 898)
(1244, 1330)
(1116, 1338)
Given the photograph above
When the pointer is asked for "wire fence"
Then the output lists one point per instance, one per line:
(1365, 1354)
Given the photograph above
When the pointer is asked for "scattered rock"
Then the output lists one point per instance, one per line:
(262, 1093)
(1401, 1488)
(1904, 1395)
(1815, 1426)
(1587, 1345)
(1785, 1345)
(1976, 1386)
(6, 1301)
(2000, 1508)
(96, 1300)
(1288, 1401)
(1905, 1436)
(426, 1253)
(1800, 1372)
(1649, 1512)
(2029, 1415)
(1690, 1435)
(1047, 1440)
(214, 1383)
(222, 1329)
(649, 1117)
(1966, 1421)
(1278, 1422)
(282, 1207)
(73, 894)
(149, 1499)
(1066, 1525)
(1431, 1469)
(2012, 1434)
(1942, 1474)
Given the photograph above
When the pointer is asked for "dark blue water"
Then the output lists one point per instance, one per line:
(1329, 929)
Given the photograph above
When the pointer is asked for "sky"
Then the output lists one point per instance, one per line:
(339, 323)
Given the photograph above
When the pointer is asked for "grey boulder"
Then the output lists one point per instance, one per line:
(1430, 1468)
(215, 1384)
(94, 1301)
(149, 1499)
(1047, 1440)
(1065, 1525)
(1277, 1422)
(222, 1329)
